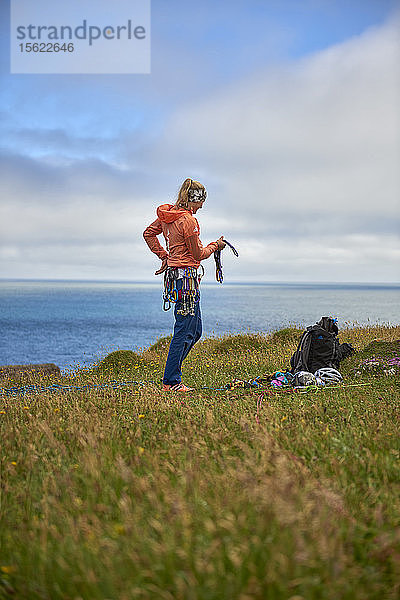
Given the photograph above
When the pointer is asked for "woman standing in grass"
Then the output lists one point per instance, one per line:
(180, 263)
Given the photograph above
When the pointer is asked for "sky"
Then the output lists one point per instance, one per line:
(287, 111)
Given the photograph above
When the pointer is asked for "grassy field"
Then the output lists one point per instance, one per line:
(139, 494)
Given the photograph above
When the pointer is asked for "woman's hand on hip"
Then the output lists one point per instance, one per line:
(163, 267)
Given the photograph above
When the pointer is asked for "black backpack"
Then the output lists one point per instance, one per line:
(318, 348)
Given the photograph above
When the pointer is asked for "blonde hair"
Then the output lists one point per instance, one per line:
(183, 196)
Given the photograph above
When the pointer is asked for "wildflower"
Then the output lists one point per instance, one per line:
(141, 416)
(8, 569)
(2, 412)
(13, 462)
(26, 407)
(119, 529)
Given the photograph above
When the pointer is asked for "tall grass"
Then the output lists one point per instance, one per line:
(138, 494)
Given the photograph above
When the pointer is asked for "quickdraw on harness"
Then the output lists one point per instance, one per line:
(182, 284)
(218, 261)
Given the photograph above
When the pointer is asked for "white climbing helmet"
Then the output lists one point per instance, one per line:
(328, 376)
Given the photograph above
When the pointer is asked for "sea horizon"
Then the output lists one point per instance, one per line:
(213, 283)
(74, 322)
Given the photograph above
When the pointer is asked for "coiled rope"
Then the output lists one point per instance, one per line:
(219, 276)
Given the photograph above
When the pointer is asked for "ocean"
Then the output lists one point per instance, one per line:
(73, 323)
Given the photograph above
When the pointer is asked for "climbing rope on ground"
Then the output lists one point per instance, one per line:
(279, 390)
(55, 388)
(251, 385)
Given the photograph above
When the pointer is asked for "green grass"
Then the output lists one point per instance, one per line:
(138, 494)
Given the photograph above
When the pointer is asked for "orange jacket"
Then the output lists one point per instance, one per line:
(181, 231)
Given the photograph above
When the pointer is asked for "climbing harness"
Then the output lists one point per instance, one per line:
(218, 261)
(182, 284)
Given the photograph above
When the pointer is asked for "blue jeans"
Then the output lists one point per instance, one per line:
(187, 331)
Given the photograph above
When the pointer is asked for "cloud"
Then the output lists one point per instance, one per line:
(300, 163)
(55, 179)
(320, 131)
(42, 142)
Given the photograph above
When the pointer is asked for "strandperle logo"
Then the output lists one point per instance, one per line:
(81, 32)
(80, 36)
